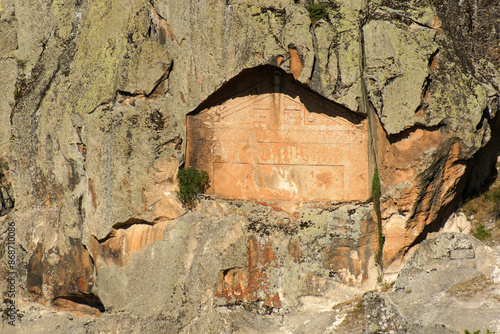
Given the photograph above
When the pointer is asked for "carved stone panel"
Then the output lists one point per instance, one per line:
(280, 142)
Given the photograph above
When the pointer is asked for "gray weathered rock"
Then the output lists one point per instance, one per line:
(397, 67)
(452, 279)
(97, 134)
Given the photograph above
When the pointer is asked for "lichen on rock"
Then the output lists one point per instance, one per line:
(93, 125)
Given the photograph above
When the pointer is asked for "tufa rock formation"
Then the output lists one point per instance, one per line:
(103, 102)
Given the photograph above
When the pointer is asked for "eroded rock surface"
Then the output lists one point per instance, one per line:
(446, 283)
(277, 140)
(451, 284)
(258, 258)
(456, 280)
(93, 127)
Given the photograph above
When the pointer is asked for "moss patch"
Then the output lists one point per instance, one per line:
(317, 12)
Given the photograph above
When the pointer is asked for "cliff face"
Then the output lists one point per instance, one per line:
(93, 132)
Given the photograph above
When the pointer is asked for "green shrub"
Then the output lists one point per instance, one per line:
(192, 182)
(317, 12)
(481, 233)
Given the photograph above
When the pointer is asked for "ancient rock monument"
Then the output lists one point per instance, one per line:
(277, 140)
(93, 130)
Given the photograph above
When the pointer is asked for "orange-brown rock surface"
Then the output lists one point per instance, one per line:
(290, 110)
(289, 145)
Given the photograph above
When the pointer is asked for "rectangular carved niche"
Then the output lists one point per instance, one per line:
(289, 145)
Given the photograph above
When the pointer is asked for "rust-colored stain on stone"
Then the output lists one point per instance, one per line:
(118, 248)
(92, 192)
(280, 141)
(295, 63)
(252, 283)
(63, 276)
(233, 285)
(294, 250)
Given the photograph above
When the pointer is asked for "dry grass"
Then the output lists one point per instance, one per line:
(468, 289)
(386, 287)
(484, 212)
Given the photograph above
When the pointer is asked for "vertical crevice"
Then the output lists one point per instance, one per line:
(372, 144)
(316, 52)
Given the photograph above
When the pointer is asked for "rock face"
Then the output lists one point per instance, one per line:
(279, 141)
(446, 283)
(258, 257)
(94, 129)
(452, 280)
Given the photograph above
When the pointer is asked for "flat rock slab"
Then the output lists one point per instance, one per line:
(453, 280)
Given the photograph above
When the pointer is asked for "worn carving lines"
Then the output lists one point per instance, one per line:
(280, 146)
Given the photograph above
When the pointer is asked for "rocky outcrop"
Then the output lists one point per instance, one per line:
(419, 192)
(260, 258)
(96, 95)
(446, 283)
(451, 284)
(457, 279)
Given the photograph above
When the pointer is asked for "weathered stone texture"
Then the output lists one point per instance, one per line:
(98, 131)
(251, 255)
(397, 66)
(131, 161)
(457, 279)
(288, 145)
(452, 280)
(448, 119)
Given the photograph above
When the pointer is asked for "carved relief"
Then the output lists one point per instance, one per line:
(279, 141)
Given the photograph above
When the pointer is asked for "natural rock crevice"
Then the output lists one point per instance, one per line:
(398, 137)
(6, 199)
(85, 304)
(132, 221)
(98, 135)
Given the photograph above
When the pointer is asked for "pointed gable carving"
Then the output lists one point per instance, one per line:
(276, 140)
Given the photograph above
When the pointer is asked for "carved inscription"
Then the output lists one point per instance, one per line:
(280, 146)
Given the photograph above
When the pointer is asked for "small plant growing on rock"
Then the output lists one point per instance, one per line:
(481, 233)
(22, 63)
(21, 79)
(317, 12)
(376, 192)
(192, 182)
